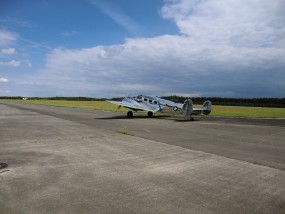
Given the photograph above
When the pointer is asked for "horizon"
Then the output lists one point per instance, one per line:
(1, 97)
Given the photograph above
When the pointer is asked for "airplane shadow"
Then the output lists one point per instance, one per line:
(256, 121)
(185, 120)
(123, 117)
(132, 118)
(136, 117)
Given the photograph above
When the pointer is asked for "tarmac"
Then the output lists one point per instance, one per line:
(67, 160)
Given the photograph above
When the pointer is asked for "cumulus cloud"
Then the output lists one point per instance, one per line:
(7, 38)
(8, 51)
(235, 22)
(12, 63)
(226, 48)
(3, 80)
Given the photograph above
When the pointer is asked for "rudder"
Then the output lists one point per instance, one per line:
(207, 107)
(188, 107)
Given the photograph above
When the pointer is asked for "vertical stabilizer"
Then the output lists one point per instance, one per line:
(188, 107)
(207, 107)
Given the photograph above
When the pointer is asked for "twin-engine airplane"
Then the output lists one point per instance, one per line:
(156, 104)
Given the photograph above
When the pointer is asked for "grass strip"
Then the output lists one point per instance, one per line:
(125, 132)
(222, 111)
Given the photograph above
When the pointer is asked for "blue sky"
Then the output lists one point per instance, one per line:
(109, 48)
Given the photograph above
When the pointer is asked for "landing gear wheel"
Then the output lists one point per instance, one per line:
(191, 119)
(130, 114)
(149, 114)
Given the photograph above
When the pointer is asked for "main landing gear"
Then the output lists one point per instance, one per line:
(130, 114)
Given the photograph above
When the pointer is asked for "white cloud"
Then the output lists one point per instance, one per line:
(12, 63)
(162, 65)
(226, 48)
(8, 51)
(3, 80)
(239, 23)
(36, 45)
(118, 16)
(7, 38)
(70, 33)
(16, 22)
(27, 63)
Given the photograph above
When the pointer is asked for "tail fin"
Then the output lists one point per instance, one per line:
(207, 107)
(188, 107)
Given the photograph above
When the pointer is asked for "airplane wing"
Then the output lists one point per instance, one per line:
(134, 105)
(170, 104)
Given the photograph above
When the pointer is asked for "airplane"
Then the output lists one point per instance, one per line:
(157, 104)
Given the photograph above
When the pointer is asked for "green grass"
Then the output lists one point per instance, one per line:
(125, 132)
(92, 105)
(250, 112)
(223, 111)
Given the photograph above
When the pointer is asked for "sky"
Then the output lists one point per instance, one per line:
(115, 48)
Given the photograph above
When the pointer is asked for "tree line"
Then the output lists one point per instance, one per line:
(254, 102)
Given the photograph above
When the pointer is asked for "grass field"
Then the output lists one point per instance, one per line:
(224, 111)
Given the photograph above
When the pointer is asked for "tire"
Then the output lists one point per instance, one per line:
(130, 114)
(149, 114)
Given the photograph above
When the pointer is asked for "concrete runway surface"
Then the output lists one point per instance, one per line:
(64, 160)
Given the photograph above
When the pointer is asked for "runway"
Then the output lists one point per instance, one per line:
(64, 160)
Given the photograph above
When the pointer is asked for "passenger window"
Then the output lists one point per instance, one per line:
(155, 102)
(150, 101)
(145, 99)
